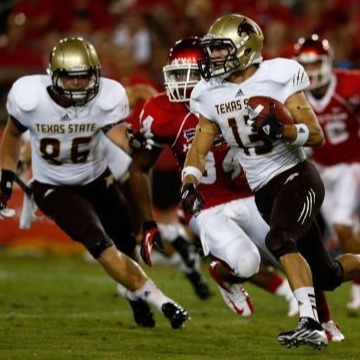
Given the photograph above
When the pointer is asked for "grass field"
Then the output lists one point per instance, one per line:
(60, 307)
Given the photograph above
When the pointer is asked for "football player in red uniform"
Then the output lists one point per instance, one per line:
(334, 94)
(229, 200)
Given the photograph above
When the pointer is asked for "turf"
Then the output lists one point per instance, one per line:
(61, 307)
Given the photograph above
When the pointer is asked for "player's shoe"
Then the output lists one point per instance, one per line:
(199, 284)
(308, 332)
(143, 315)
(332, 331)
(234, 295)
(186, 251)
(175, 314)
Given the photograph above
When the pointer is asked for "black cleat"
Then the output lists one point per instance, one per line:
(176, 314)
(201, 287)
(143, 315)
(186, 250)
(308, 332)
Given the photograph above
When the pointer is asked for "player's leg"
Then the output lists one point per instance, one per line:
(237, 258)
(77, 217)
(189, 260)
(256, 228)
(341, 210)
(289, 204)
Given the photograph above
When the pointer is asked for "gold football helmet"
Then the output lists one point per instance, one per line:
(243, 40)
(75, 57)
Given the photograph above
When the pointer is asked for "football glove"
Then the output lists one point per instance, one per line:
(150, 237)
(142, 139)
(192, 200)
(7, 180)
(269, 126)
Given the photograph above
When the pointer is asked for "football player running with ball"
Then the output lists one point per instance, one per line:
(288, 190)
(229, 200)
(66, 114)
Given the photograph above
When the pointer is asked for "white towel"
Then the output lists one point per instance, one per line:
(28, 210)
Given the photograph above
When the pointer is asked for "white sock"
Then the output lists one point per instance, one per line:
(285, 291)
(152, 295)
(305, 297)
(123, 291)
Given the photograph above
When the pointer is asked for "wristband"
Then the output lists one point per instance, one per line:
(7, 179)
(302, 134)
(191, 170)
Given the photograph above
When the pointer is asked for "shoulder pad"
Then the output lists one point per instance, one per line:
(283, 70)
(111, 94)
(25, 91)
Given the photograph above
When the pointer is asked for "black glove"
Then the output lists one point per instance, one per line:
(142, 139)
(150, 237)
(7, 180)
(192, 200)
(270, 126)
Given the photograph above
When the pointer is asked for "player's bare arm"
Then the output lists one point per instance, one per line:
(139, 92)
(117, 135)
(11, 142)
(196, 156)
(143, 161)
(302, 113)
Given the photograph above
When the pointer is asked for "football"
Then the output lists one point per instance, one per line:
(262, 106)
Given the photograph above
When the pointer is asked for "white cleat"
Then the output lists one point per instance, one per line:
(333, 332)
(234, 295)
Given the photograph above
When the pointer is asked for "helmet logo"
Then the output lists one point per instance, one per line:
(245, 29)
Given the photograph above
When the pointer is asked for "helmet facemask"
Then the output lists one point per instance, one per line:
(180, 80)
(181, 73)
(74, 57)
(321, 74)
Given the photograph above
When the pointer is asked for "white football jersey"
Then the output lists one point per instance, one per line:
(65, 142)
(225, 103)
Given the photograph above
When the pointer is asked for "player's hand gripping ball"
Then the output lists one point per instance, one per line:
(268, 116)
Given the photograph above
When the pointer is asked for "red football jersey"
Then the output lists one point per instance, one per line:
(173, 124)
(339, 117)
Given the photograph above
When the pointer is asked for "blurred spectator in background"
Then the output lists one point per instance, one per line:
(133, 33)
(84, 18)
(17, 57)
(150, 27)
(39, 16)
(126, 71)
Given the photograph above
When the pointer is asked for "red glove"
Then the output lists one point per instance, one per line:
(192, 200)
(151, 237)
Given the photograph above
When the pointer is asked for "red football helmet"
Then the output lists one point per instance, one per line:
(181, 73)
(316, 55)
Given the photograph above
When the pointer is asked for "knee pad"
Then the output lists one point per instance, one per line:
(95, 249)
(280, 243)
(248, 265)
